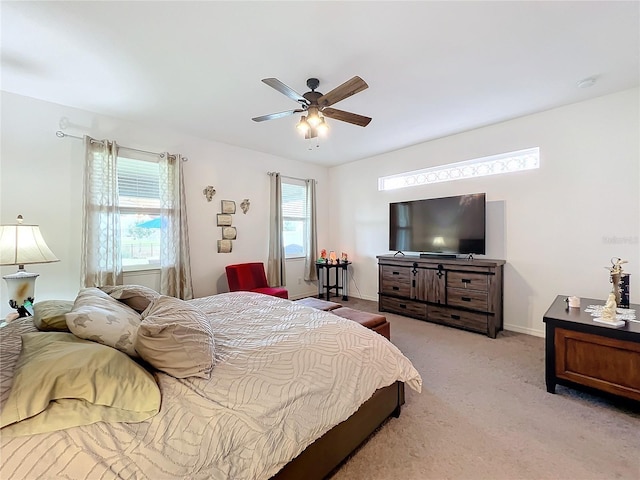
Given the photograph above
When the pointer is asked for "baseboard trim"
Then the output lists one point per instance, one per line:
(528, 331)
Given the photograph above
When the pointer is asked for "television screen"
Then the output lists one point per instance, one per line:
(448, 225)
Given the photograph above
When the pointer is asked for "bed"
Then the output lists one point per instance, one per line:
(289, 393)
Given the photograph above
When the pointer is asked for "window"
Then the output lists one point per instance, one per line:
(139, 202)
(479, 167)
(295, 218)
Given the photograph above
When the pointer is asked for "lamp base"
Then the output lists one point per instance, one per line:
(21, 287)
(25, 310)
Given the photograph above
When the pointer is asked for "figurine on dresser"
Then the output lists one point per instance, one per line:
(616, 276)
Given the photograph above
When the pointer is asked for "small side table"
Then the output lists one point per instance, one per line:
(581, 352)
(340, 283)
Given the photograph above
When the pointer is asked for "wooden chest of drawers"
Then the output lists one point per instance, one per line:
(456, 292)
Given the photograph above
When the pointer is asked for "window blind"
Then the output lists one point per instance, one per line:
(294, 200)
(138, 183)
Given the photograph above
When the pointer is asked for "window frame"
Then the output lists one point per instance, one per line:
(137, 210)
(303, 218)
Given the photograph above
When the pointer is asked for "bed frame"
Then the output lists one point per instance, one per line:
(329, 451)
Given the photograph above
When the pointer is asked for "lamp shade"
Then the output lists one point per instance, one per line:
(22, 245)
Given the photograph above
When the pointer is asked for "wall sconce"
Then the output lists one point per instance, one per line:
(21, 245)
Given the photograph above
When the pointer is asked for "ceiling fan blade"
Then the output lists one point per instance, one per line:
(271, 116)
(348, 117)
(282, 88)
(348, 88)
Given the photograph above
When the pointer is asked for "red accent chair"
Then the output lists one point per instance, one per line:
(250, 277)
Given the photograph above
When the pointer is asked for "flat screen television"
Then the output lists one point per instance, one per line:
(442, 226)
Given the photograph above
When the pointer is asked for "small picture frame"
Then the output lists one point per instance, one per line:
(224, 246)
(224, 220)
(229, 233)
(228, 206)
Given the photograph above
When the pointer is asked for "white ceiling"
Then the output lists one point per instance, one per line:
(433, 68)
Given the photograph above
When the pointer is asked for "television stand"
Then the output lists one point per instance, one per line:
(439, 255)
(457, 292)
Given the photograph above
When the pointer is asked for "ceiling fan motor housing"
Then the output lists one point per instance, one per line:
(313, 83)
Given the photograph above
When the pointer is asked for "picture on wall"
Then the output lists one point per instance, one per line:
(224, 220)
(224, 246)
(228, 206)
(229, 233)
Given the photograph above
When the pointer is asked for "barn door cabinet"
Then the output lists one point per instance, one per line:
(456, 292)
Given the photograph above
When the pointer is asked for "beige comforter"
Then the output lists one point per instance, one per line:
(285, 375)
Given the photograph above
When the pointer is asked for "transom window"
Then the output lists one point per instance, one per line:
(479, 167)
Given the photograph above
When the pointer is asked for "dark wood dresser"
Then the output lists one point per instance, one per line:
(456, 292)
(582, 352)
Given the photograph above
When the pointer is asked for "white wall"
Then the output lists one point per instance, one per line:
(41, 178)
(557, 227)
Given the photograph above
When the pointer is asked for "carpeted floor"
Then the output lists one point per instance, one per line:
(484, 413)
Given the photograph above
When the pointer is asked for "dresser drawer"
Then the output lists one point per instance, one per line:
(403, 307)
(396, 280)
(473, 299)
(471, 321)
(469, 281)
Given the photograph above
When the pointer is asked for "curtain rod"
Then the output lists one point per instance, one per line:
(61, 134)
(292, 178)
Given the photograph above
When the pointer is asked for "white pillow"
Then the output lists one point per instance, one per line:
(176, 337)
(137, 297)
(98, 317)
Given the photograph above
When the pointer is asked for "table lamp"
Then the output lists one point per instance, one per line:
(21, 245)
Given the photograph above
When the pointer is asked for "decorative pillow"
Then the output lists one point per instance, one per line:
(98, 317)
(137, 297)
(62, 381)
(176, 337)
(49, 315)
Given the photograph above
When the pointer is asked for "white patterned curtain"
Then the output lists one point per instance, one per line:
(175, 266)
(101, 261)
(310, 273)
(275, 265)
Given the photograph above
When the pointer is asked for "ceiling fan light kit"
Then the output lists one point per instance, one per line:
(316, 105)
(303, 126)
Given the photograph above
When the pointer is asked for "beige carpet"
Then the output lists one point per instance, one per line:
(484, 413)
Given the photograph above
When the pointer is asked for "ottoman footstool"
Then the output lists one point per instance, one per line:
(376, 322)
(318, 304)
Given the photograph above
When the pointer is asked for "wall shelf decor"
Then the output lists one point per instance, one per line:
(224, 246)
(224, 220)
(228, 206)
(209, 192)
(229, 233)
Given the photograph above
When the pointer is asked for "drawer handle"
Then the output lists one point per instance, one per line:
(465, 299)
(395, 273)
(466, 280)
(402, 305)
(455, 317)
(395, 288)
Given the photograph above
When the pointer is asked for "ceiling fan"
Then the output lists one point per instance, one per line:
(317, 106)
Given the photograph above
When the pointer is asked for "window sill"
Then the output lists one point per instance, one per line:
(152, 268)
